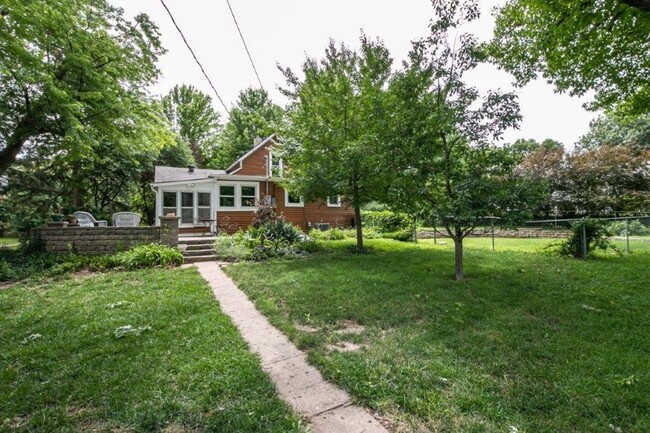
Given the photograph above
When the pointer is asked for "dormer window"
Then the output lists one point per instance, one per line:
(275, 165)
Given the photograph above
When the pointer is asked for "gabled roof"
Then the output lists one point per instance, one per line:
(175, 174)
(250, 152)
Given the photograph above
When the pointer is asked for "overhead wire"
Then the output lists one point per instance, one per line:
(245, 45)
(194, 56)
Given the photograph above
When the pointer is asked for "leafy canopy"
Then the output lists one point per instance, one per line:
(73, 74)
(335, 114)
(579, 46)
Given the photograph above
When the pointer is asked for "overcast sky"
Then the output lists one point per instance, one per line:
(285, 31)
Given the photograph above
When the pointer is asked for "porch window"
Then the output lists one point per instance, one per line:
(226, 196)
(334, 201)
(248, 196)
(187, 207)
(293, 200)
(169, 202)
(203, 206)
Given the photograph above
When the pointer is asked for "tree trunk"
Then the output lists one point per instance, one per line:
(357, 223)
(458, 258)
(14, 145)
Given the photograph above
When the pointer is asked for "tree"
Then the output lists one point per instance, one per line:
(194, 119)
(72, 75)
(525, 146)
(579, 46)
(547, 168)
(616, 130)
(254, 115)
(609, 179)
(440, 131)
(335, 115)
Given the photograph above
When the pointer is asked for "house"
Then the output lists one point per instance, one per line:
(225, 199)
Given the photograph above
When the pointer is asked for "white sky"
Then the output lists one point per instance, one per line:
(285, 31)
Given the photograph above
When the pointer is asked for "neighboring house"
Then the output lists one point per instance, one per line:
(225, 199)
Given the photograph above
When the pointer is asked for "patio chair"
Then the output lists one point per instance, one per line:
(126, 219)
(85, 219)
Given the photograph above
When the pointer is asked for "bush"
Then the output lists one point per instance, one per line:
(597, 237)
(149, 255)
(620, 228)
(6, 273)
(327, 235)
(232, 248)
(402, 235)
(386, 221)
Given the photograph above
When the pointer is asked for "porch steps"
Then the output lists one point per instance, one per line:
(197, 249)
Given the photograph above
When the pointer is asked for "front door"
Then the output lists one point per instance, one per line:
(187, 208)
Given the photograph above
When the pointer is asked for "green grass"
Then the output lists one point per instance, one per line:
(182, 368)
(528, 341)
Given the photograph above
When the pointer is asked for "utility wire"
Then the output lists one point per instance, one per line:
(194, 55)
(244, 42)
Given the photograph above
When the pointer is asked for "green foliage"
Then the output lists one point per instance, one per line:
(275, 238)
(386, 221)
(143, 256)
(612, 129)
(402, 235)
(6, 273)
(254, 115)
(335, 114)
(631, 228)
(595, 233)
(74, 77)
(332, 234)
(194, 119)
(233, 248)
(579, 46)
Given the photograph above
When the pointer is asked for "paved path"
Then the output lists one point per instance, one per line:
(299, 384)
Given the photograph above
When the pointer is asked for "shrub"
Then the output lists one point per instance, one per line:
(327, 235)
(6, 273)
(386, 221)
(597, 237)
(402, 235)
(636, 228)
(232, 248)
(149, 255)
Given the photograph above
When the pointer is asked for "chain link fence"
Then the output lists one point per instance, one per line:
(626, 234)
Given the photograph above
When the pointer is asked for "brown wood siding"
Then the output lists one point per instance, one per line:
(255, 164)
(303, 217)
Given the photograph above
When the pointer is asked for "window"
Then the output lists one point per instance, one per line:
(226, 196)
(187, 207)
(169, 202)
(203, 205)
(292, 200)
(275, 165)
(233, 196)
(248, 195)
(334, 201)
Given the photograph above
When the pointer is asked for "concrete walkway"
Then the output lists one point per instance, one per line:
(299, 384)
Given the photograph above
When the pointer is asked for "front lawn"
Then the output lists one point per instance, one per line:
(528, 343)
(129, 352)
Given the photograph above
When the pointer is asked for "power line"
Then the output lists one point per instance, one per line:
(244, 42)
(194, 55)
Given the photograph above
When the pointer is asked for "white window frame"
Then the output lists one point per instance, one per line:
(238, 199)
(337, 204)
(238, 196)
(287, 204)
(179, 206)
(280, 166)
(234, 204)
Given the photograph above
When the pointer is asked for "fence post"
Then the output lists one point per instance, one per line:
(584, 238)
(627, 235)
(492, 227)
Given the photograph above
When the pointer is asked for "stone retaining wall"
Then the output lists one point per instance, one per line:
(103, 240)
(500, 233)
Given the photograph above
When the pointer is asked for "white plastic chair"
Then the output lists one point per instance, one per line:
(86, 219)
(126, 219)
